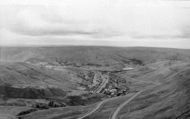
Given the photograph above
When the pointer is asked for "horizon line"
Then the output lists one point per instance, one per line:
(111, 46)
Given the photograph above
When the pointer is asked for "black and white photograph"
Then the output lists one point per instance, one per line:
(94, 59)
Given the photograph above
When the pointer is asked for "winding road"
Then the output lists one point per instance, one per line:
(94, 110)
(97, 107)
(114, 116)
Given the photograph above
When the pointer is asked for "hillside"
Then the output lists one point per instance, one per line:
(92, 55)
(155, 101)
(151, 81)
(44, 80)
(170, 100)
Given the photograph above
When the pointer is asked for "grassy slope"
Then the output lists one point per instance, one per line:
(21, 79)
(169, 100)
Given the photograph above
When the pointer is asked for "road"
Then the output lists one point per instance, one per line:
(97, 107)
(116, 112)
(103, 84)
(114, 116)
(94, 110)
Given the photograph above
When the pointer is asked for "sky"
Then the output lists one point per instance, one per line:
(149, 23)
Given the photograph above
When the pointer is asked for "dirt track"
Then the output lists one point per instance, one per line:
(97, 107)
(114, 116)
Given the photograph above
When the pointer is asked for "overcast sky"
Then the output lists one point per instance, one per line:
(159, 23)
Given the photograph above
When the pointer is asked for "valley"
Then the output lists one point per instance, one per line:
(89, 82)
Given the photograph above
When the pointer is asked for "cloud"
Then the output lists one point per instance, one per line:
(54, 30)
(63, 30)
(121, 21)
(183, 34)
(39, 21)
(98, 22)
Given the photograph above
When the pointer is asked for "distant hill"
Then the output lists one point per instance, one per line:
(92, 55)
